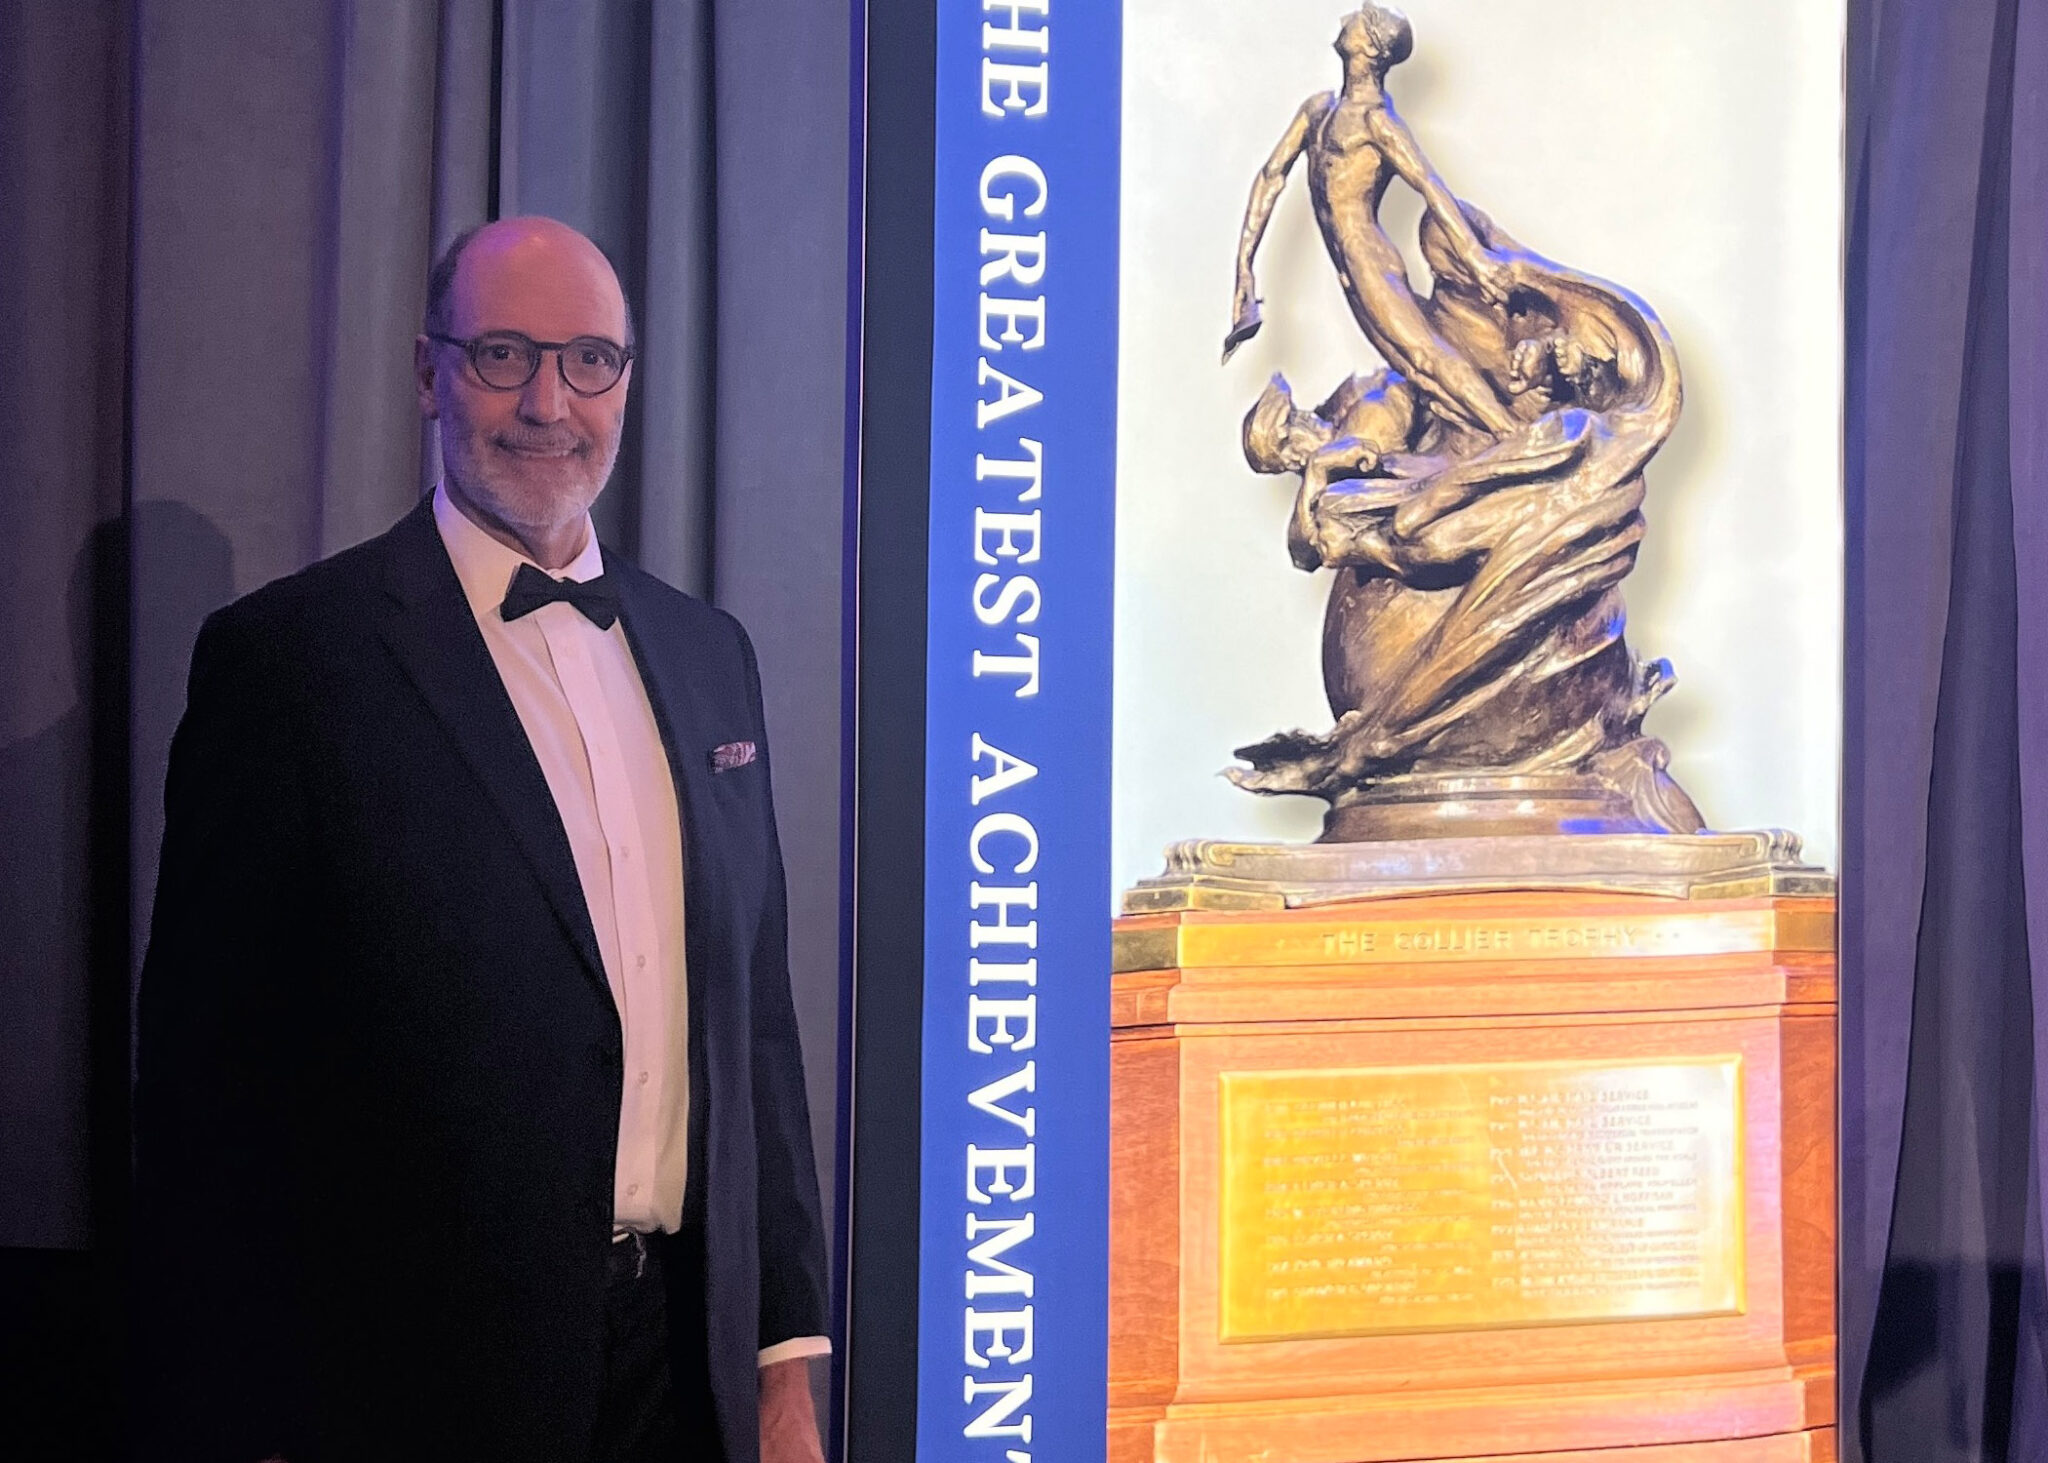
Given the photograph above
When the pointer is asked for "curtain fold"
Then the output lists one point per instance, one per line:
(63, 661)
(1946, 743)
(378, 212)
(2027, 284)
(779, 441)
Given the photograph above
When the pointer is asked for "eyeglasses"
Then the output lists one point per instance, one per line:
(505, 360)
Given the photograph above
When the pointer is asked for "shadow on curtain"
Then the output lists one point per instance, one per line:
(1946, 750)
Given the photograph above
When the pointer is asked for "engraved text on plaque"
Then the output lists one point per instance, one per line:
(1446, 1198)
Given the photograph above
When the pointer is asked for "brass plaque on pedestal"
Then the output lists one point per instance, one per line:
(1378, 934)
(1366, 1201)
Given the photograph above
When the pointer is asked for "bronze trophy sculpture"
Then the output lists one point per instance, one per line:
(1480, 500)
(1500, 1120)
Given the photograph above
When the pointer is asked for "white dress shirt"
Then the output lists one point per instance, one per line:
(585, 710)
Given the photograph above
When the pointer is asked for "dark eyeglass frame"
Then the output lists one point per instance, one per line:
(535, 350)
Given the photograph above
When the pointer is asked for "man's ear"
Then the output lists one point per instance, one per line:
(423, 376)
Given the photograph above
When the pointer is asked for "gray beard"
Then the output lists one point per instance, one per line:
(477, 488)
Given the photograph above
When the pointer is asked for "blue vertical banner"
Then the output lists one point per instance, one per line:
(1013, 1266)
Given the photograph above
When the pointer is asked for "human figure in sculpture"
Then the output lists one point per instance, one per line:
(1356, 144)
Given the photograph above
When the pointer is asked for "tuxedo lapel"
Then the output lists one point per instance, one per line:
(431, 630)
(683, 724)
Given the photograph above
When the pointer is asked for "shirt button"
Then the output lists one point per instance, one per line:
(639, 962)
(632, 1190)
(624, 853)
(643, 1079)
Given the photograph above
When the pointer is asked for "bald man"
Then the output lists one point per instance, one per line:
(470, 1113)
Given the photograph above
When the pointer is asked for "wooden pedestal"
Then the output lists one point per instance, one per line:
(1478, 1177)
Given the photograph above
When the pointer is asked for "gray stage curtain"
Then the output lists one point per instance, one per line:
(215, 225)
(1945, 849)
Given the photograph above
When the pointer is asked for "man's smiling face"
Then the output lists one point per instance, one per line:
(533, 459)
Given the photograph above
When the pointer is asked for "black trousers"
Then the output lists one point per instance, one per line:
(655, 1406)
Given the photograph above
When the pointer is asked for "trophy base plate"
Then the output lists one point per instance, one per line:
(1489, 805)
(1217, 874)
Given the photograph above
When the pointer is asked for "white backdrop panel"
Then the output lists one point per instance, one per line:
(1691, 153)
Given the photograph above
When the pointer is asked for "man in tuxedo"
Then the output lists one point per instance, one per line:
(470, 1113)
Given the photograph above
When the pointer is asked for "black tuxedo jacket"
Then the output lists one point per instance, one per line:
(379, 1068)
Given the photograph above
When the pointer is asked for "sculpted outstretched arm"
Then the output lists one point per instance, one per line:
(1397, 144)
(1258, 212)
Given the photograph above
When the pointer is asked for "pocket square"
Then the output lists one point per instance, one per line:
(730, 755)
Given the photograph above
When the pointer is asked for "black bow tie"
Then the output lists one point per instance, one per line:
(598, 598)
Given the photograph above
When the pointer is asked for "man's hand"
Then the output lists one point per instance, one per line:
(789, 1423)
